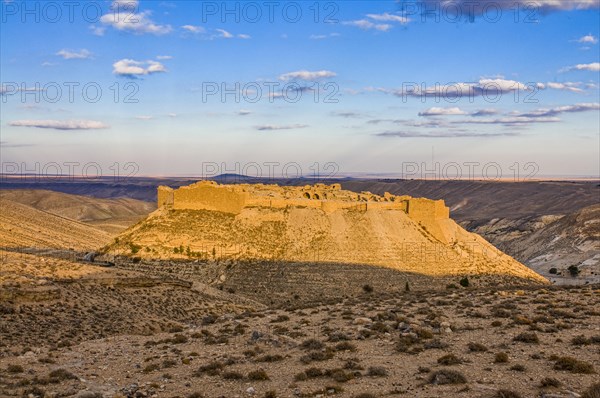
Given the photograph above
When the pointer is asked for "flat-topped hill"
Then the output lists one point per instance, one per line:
(312, 224)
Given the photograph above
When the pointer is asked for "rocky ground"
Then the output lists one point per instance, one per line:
(467, 343)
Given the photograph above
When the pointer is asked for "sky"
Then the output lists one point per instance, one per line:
(483, 89)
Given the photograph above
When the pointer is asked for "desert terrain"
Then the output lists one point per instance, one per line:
(140, 319)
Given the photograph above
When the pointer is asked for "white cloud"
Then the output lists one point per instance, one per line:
(193, 29)
(224, 34)
(589, 39)
(307, 75)
(374, 21)
(321, 37)
(132, 68)
(593, 67)
(271, 127)
(511, 120)
(458, 134)
(485, 112)
(163, 57)
(566, 86)
(488, 87)
(367, 25)
(69, 54)
(97, 30)
(583, 107)
(172, 115)
(144, 117)
(387, 17)
(61, 124)
(442, 112)
(125, 16)
(214, 34)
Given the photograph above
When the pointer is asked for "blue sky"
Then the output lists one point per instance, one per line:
(379, 85)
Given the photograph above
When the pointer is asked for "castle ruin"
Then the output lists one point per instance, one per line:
(432, 215)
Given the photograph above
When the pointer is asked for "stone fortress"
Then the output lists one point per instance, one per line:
(431, 215)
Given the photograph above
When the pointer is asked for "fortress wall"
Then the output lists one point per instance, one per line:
(209, 197)
(401, 205)
(331, 206)
(420, 209)
(281, 203)
(434, 216)
(165, 196)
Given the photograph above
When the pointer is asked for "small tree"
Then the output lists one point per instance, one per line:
(407, 287)
(553, 271)
(368, 288)
(574, 270)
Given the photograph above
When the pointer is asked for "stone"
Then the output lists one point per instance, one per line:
(362, 321)
(89, 257)
(250, 391)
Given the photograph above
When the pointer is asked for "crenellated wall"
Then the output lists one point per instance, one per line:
(432, 215)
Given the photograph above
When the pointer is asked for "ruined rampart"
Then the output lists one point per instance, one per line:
(432, 215)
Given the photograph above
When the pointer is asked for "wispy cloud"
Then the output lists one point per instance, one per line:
(322, 37)
(193, 29)
(203, 33)
(224, 34)
(368, 25)
(457, 134)
(435, 111)
(307, 75)
(272, 127)
(97, 30)
(566, 86)
(61, 124)
(5, 144)
(70, 54)
(518, 120)
(387, 17)
(244, 112)
(348, 115)
(380, 22)
(545, 112)
(133, 69)
(593, 67)
(144, 117)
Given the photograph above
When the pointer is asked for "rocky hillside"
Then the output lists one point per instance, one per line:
(552, 244)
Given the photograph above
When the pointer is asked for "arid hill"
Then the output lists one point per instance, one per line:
(22, 226)
(301, 232)
(111, 215)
